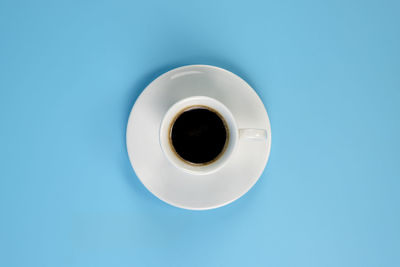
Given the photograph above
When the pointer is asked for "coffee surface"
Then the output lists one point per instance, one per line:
(198, 135)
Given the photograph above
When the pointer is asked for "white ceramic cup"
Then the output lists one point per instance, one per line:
(234, 134)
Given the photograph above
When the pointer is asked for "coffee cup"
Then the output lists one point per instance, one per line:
(199, 134)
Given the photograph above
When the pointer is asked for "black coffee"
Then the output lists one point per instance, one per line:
(199, 135)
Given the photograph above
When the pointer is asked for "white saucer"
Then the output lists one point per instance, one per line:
(172, 185)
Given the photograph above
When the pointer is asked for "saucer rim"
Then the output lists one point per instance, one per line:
(189, 207)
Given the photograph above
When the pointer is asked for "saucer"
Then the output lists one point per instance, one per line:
(179, 188)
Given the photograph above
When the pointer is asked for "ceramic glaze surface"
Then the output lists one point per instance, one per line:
(176, 182)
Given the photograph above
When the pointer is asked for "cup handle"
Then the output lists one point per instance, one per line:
(253, 134)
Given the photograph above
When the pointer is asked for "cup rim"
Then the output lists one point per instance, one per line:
(178, 108)
(226, 143)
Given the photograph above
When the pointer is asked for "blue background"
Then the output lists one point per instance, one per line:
(327, 71)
